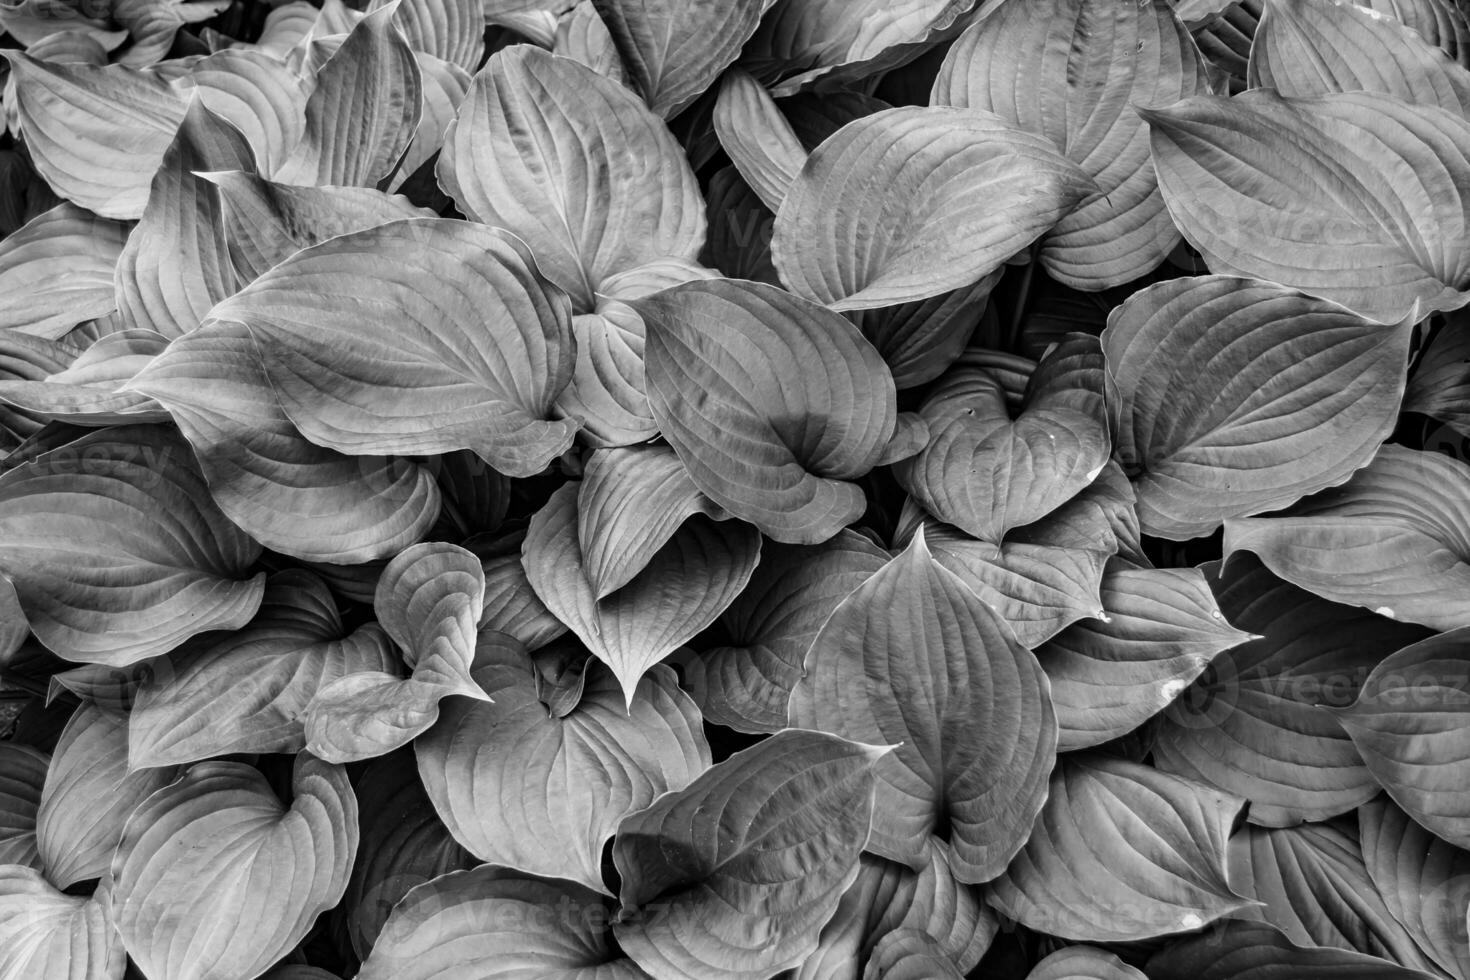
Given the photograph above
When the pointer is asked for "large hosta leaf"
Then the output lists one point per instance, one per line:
(476, 367)
(684, 586)
(1108, 676)
(773, 404)
(22, 776)
(1236, 396)
(1411, 723)
(541, 791)
(117, 552)
(248, 691)
(88, 796)
(736, 874)
(1395, 539)
(574, 164)
(291, 495)
(57, 271)
(215, 877)
(971, 190)
(1237, 950)
(914, 657)
(673, 50)
(1072, 71)
(1121, 852)
(986, 471)
(44, 933)
(487, 924)
(1253, 723)
(1353, 197)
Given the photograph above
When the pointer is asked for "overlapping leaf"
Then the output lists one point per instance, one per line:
(258, 94)
(759, 140)
(1440, 22)
(57, 271)
(920, 340)
(451, 30)
(1440, 384)
(1083, 963)
(1237, 950)
(88, 391)
(22, 775)
(1236, 396)
(45, 933)
(512, 606)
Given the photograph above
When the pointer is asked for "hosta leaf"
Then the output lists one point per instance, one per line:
(445, 85)
(684, 586)
(910, 954)
(1108, 676)
(290, 495)
(1239, 950)
(362, 113)
(1440, 22)
(259, 95)
(772, 403)
(920, 340)
(1121, 852)
(1252, 723)
(987, 472)
(96, 133)
(404, 844)
(1440, 385)
(735, 874)
(973, 191)
(1072, 71)
(176, 264)
(914, 657)
(522, 788)
(1317, 891)
(117, 552)
(673, 50)
(574, 164)
(1395, 539)
(740, 230)
(152, 25)
(1424, 882)
(216, 877)
(759, 140)
(451, 30)
(57, 270)
(248, 691)
(87, 391)
(487, 924)
(493, 353)
(1351, 197)
(1083, 963)
(22, 775)
(1306, 48)
(771, 624)
(582, 36)
(512, 606)
(1410, 723)
(1236, 396)
(44, 933)
(88, 796)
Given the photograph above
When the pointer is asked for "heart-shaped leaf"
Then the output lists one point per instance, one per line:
(1252, 723)
(685, 585)
(1121, 852)
(22, 776)
(736, 874)
(45, 933)
(524, 788)
(972, 189)
(773, 404)
(56, 271)
(598, 187)
(474, 368)
(1249, 179)
(1236, 396)
(136, 525)
(914, 657)
(1072, 71)
(1395, 539)
(1237, 950)
(200, 868)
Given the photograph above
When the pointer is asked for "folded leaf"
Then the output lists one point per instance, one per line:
(1121, 852)
(913, 656)
(44, 933)
(1083, 963)
(290, 495)
(258, 94)
(248, 691)
(201, 871)
(759, 140)
(1395, 539)
(735, 874)
(56, 271)
(1440, 384)
(1366, 179)
(88, 391)
(972, 189)
(22, 775)
(1236, 397)
(1237, 950)
(523, 788)
(477, 367)
(772, 403)
(445, 85)
(138, 558)
(1252, 723)
(1072, 71)
(684, 586)
(152, 25)
(574, 164)
(1410, 723)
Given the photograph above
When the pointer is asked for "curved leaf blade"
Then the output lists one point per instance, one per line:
(56, 271)
(44, 933)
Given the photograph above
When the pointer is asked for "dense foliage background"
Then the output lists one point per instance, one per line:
(735, 488)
